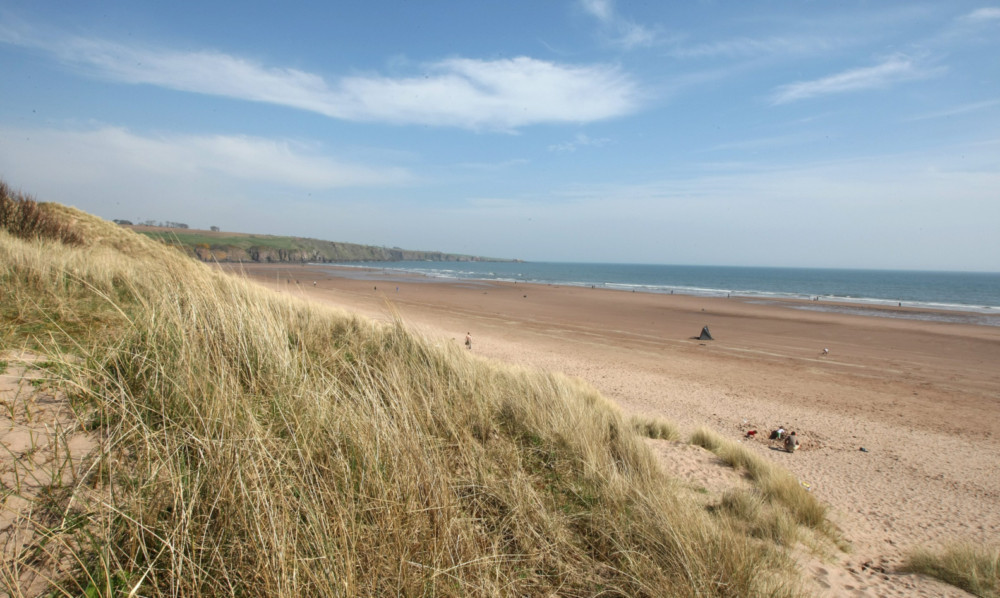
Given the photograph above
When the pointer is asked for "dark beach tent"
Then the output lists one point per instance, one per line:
(705, 334)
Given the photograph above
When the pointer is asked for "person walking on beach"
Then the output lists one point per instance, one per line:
(468, 340)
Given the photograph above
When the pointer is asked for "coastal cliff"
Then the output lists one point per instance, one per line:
(216, 246)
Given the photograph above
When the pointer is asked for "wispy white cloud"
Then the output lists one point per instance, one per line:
(956, 110)
(968, 29)
(895, 69)
(750, 47)
(991, 13)
(459, 92)
(603, 10)
(500, 94)
(249, 184)
(114, 149)
(619, 30)
(633, 35)
(580, 140)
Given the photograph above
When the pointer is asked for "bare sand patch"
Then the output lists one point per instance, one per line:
(44, 449)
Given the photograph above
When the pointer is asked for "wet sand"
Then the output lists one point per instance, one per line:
(922, 397)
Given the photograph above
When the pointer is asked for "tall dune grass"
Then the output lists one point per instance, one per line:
(759, 517)
(255, 444)
(656, 428)
(774, 483)
(974, 568)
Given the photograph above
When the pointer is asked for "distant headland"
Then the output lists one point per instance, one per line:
(218, 246)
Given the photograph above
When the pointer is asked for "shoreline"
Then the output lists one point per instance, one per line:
(922, 397)
(865, 307)
(986, 309)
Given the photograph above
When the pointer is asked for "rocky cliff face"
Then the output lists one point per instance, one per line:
(345, 253)
(239, 247)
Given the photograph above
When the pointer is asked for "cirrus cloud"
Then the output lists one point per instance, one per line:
(894, 69)
(203, 157)
(468, 93)
(984, 14)
(622, 32)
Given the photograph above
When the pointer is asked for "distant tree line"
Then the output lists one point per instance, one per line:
(167, 224)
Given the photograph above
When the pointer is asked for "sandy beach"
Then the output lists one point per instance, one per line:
(921, 397)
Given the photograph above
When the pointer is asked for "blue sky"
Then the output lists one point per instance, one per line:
(816, 134)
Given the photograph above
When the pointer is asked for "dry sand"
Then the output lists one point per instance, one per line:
(922, 397)
(43, 445)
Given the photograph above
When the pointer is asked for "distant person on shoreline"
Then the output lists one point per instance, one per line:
(468, 340)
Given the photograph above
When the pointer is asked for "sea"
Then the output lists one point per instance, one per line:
(961, 297)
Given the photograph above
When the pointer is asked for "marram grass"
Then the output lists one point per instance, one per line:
(771, 481)
(974, 568)
(254, 444)
(656, 428)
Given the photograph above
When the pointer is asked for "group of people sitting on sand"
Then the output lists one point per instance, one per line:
(788, 439)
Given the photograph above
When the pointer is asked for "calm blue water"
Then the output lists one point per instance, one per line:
(977, 294)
